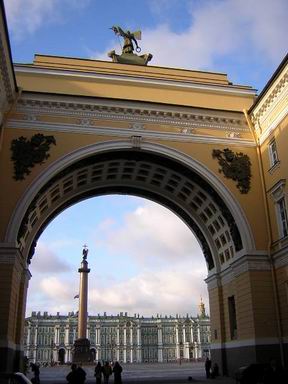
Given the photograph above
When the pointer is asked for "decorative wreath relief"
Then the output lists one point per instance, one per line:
(235, 166)
(26, 153)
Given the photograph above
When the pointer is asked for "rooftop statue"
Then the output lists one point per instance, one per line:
(85, 252)
(130, 45)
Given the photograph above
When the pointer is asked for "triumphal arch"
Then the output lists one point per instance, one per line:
(211, 151)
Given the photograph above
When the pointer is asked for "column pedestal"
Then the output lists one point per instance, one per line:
(81, 351)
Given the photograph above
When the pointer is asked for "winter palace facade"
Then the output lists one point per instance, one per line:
(128, 339)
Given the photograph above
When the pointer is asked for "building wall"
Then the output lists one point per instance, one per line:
(123, 338)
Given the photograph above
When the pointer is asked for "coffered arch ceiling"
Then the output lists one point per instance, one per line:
(140, 172)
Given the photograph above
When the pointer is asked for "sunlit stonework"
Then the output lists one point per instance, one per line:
(149, 131)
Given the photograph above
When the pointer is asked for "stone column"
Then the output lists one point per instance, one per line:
(97, 336)
(131, 344)
(57, 335)
(198, 334)
(68, 354)
(13, 285)
(192, 334)
(82, 344)
(118, 344)
(28, 341)
(125, 345)
(185, 343)
(160, 344)
(55, 354)
(35, 336)
(26, 275)
(177, 342)
(83, 300)
(139, 346)
(67, 335)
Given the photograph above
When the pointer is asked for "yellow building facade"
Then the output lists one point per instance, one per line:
(212, 152)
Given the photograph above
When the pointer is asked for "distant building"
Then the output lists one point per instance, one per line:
(127, 339)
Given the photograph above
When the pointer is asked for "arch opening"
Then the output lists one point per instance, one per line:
(61, 356)
(180, 263)
(149, 175)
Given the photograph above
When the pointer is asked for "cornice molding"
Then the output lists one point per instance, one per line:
(7, 80)
(279, 254)
(224, 89)
(257, 261)
(262, 116)
(186, 122)
(272, 97)
(269, 130)
(245, 343)
(128, 110)
(124, 133)
(11, 254)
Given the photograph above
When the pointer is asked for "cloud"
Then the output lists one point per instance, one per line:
(56, 289)
(150, 233)
(162, 8)
(168, 277)
(219, 29)
(46, 260)
(26, 17)
(52, 294)
(170, 291)
(173, 290)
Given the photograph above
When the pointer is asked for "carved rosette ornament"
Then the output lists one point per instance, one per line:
(26, 153)
(235, 166)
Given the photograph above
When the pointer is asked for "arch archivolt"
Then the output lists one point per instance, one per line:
(155, 172)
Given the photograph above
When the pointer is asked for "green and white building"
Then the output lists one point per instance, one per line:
(127, 339)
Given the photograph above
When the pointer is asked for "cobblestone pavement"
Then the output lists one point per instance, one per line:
(140, 374)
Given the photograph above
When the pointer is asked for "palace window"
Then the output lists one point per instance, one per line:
(273, 153)
(232, 317)
(282, 213)
(279, 196)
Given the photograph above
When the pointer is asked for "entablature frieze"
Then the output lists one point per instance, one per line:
(272, 109)
(11, 254)
(7, 81)
(124, 118)
(280, 253)
(258, 261)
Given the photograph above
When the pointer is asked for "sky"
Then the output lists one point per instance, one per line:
(143, 259)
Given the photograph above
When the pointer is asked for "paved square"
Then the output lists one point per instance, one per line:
(138, 373)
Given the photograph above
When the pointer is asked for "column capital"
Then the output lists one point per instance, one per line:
(11, 254)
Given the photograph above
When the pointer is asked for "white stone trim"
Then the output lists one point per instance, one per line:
(261, 114)
(269, 131)
(8, 253)
(7, 95)
(257, 261)
(277, 193)
(245, 343)
(278, 190)
(88, 108)
(225, 89)
(111, 131)
(282, 259)
(272, 97)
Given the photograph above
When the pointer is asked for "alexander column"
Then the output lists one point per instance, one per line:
(82, 344)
